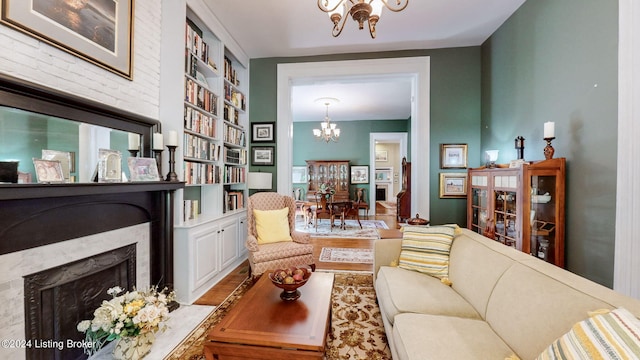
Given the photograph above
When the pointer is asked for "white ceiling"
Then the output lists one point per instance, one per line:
(284, 28)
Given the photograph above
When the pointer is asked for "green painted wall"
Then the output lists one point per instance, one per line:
(455, 109)
(353, 146)
(557, 61)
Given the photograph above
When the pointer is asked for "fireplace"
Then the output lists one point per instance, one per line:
(49, 226)
(57, 299)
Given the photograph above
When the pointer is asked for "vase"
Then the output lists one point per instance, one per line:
(133, 347)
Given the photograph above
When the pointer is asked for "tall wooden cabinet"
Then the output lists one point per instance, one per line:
(403, 210)
(521, 207)
(335, 173)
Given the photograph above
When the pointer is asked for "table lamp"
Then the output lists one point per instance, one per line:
(259, 181)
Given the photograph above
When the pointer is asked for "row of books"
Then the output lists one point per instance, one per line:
(233, 200)
(233, 135)
(199, 173)
(231, 114)
(195, 44)
(233, 174)
(198, 95)
(196, 121)
(235, 97)
(200, 148)
(230, 73)
(235, 156)
(191, 209)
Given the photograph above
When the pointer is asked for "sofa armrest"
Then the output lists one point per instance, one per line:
(300, 237)
(385, 252)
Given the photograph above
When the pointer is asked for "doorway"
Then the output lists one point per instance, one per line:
(386, 172)
(416, 68)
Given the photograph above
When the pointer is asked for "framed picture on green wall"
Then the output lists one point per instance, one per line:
(263, 132)
(262, 155)
(453, 156)
(453, 185)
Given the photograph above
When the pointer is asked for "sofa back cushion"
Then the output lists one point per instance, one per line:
(475, 265)
(529, 309)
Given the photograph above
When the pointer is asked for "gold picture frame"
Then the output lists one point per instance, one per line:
(453, 156)
(98, 31)
(453, 185)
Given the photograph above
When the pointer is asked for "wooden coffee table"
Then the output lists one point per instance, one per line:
(262, 326)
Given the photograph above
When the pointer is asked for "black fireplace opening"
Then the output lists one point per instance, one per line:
(57, 299)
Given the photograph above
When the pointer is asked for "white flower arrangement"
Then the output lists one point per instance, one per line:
(131, 314)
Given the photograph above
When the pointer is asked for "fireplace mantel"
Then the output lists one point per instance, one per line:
(33, 215)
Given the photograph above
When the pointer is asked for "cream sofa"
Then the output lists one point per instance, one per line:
(501, 303)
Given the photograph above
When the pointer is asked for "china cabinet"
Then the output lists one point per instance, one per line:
(521, 207)
(334, 173)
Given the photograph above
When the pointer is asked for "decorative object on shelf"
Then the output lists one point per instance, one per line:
(520, 147)
(328, 131)
(103, 40)
(143, 169)
(48, 171)
(492, 157)
(172, 144)
(360, 174)
(453, 185)
(131, 319)
(158, 147)
(259, 181)
(263, 132)
(453, 156)
(109, 166)
(289, 280)
(360, 10)
(549, 134)
(65, 161)
(262, 155)
(134, 144)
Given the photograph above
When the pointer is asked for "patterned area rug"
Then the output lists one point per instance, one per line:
(346, 255)
(352, 230)
(357, 331)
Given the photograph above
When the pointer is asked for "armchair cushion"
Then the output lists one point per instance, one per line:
(272, 225)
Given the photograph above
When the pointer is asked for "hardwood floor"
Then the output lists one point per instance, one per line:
(219, 292)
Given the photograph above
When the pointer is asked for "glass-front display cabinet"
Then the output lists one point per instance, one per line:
(521, 207)
(332, 173)
(545, 209)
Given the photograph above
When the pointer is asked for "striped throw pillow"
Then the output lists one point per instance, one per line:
(426, 249)
(614, 335)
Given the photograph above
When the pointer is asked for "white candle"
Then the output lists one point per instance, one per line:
(134, 141)
(173, 138)
(157, 141)
(549, 129)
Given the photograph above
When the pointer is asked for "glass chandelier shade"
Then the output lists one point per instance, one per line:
(361, 11)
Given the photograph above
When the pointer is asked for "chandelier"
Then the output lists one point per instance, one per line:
(360, 11)
(328, 131)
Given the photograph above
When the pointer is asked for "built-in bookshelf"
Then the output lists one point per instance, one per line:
(214, 148)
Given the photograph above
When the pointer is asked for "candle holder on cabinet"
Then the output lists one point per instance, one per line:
(549, 150)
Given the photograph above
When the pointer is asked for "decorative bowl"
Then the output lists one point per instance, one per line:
(289, 280)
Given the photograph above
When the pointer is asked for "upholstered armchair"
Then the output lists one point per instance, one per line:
(272, 240)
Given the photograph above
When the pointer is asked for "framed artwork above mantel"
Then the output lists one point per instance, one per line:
(94, 30)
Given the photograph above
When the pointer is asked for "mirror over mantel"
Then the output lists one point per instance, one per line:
(42, 123)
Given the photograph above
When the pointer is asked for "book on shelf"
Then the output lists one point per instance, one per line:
(233, 200)
(197, 95)
(234, 174)
(201, 173)
(191, 209)
(199, 122)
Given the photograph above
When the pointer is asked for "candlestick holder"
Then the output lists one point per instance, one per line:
(158, 155)
(549, 150)
(133, 152)
(172, 176)
(520, 147)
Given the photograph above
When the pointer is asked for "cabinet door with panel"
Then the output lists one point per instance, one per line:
(243, 231)
(229, 241)
(204, 248)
